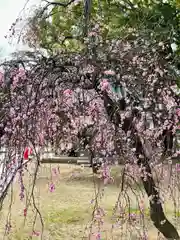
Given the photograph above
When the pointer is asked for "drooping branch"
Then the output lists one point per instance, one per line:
(61, 4)
(156, 210)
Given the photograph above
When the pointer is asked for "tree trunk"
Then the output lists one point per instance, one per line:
(156, 211)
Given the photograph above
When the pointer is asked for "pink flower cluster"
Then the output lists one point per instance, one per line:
(106, 175)
(68, 92)
(104, 84)
(178, 112)
(109, 72)
(99, 215)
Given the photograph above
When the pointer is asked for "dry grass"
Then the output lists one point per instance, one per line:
(67, 212)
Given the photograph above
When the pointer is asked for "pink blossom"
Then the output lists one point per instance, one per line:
(178, 167)
(104, 84)
(36, 233)
(25, 212)
(1, 77)
(51, 187)
(109, 72)
(21, 73)
(41, 139)
(15, 80)
(106, 175)
(132, 217)
(67, 92)
(168, 100)
(55, 171)
(91, 34)
(98, 236)
(178, 112)
(99, 215)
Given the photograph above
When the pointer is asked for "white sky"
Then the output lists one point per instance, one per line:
(9, 10)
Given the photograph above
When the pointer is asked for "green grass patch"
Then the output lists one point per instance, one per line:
(68, 209)
(68, 216)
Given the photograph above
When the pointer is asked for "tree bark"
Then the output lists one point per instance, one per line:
(156, 211)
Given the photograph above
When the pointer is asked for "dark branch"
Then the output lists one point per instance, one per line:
(59, 4)
(55, 4)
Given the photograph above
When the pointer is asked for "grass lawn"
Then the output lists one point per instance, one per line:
(67, 211)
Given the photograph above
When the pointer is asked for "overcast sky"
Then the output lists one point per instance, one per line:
(9, 11)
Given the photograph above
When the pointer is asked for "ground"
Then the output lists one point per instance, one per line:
(67, 210)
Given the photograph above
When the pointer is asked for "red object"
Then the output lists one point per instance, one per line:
(25, 212)
(35, 233)
(27, 152)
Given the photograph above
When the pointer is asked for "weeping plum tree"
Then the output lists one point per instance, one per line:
(116, 92)
(125, 88)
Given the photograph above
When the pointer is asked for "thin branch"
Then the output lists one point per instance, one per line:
(55, 4)
(58, 3)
